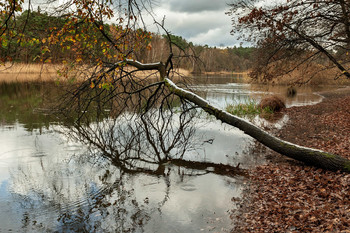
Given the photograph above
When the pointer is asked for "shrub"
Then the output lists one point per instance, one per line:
(274, 103)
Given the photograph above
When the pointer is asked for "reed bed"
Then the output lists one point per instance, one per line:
(19, 72)
(306, 74)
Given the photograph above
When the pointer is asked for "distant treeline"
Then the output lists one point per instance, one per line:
(39, 37)
(199, 58)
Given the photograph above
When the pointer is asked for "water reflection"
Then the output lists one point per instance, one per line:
(223, 91)
(49, 182)
(67, 189)
(20, 102)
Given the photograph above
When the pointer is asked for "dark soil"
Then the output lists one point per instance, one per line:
(288, 196)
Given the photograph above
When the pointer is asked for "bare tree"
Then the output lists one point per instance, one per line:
(294, 34)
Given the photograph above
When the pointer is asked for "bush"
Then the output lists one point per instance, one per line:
(274, 103)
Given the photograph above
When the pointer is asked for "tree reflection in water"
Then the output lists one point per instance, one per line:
(101, 196)
(127, 148)
(67, 200)
(92, 200)
(140, 129)
(139, 125)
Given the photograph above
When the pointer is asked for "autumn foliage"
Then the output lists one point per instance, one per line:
(295, 34)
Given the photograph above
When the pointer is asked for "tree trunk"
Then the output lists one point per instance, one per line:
(309, 156)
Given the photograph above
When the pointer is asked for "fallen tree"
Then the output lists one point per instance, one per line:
(309, 156)
(112, 85)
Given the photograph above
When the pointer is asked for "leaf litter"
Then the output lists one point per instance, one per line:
(288, 196)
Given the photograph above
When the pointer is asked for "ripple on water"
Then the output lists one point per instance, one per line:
(9, 158)
(73, 148)
(56, 196)
(39, 154)
(188, 187)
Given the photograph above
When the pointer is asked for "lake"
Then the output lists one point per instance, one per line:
(51, 183)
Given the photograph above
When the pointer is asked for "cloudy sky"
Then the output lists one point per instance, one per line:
(199, 21)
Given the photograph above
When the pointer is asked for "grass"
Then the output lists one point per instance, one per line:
(248, 109)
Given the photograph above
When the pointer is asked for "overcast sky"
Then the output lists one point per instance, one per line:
(202, 22)
(199, 21)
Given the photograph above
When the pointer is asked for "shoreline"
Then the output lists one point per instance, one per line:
(37, 68)
(12, 72)
(287, 196)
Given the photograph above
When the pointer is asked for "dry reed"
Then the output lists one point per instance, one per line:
(309, 74)
(20, 72)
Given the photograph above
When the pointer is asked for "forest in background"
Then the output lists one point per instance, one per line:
(39, 41)
(61, 39)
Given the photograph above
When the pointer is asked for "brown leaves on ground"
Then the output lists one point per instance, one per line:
(292, 197)
(324, 126)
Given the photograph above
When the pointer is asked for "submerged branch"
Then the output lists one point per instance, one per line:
(203, 167)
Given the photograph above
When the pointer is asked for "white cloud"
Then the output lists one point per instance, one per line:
(216, 37)
(201, 22)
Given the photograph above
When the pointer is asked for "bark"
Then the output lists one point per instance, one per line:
(309, 156)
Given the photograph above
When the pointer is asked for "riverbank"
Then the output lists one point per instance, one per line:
(287, 196)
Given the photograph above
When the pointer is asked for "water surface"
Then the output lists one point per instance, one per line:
(49, 183)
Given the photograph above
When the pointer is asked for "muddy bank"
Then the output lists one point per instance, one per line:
(287, 196)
